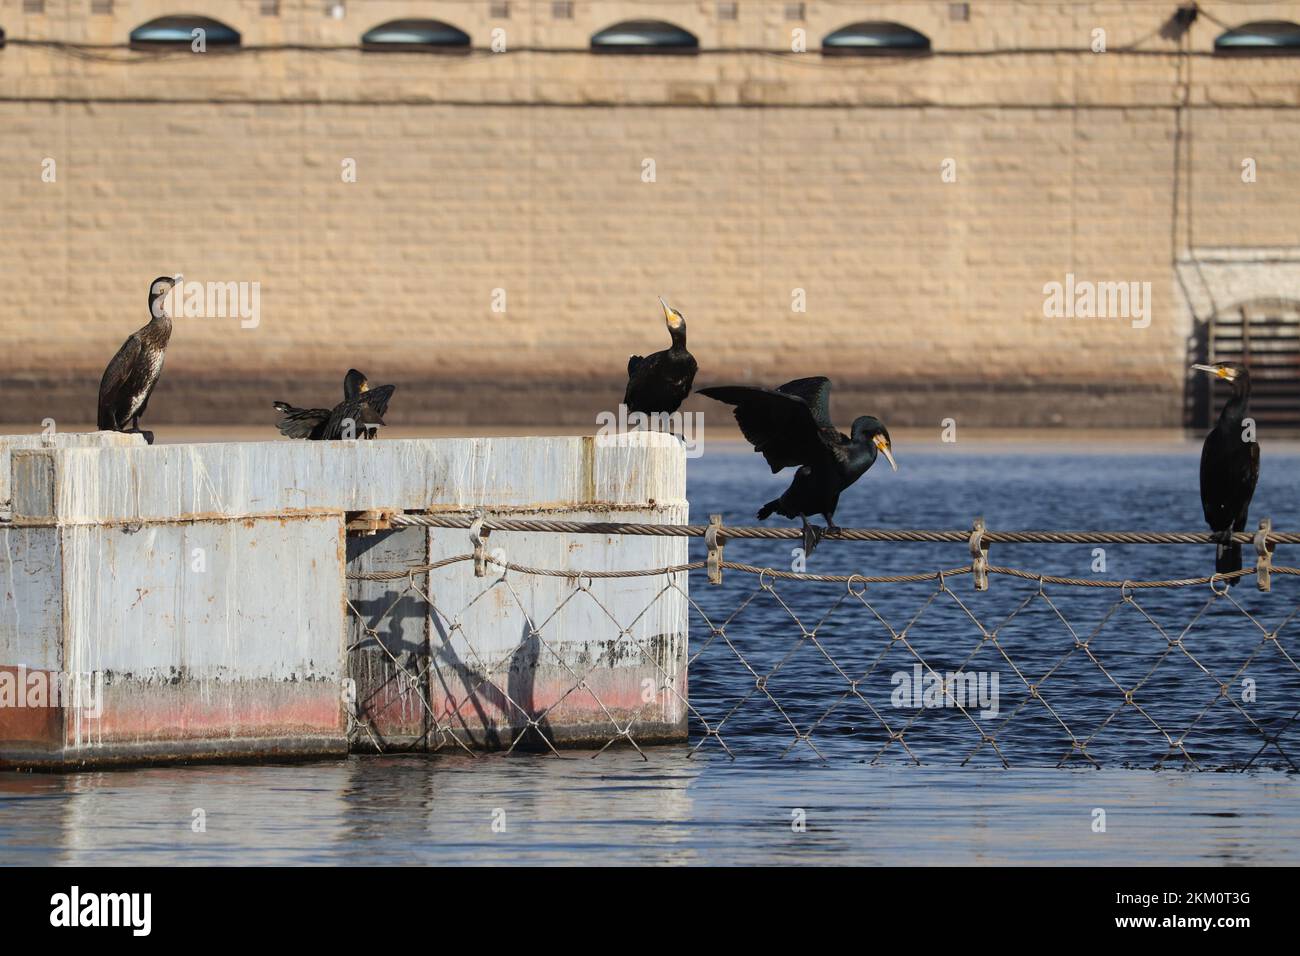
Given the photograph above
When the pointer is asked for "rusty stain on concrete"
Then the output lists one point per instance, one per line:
(248, 658)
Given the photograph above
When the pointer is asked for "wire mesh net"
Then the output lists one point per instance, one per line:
(914, 669)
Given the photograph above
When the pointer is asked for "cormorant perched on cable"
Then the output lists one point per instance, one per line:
(657, 384)
(1229, 467)
(791, 426)
(131, 376)
(362, 405)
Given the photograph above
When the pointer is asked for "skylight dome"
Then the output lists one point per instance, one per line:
(398, 35)
(1262, 37)
(875, 38)
(644, 36)
(179, 31)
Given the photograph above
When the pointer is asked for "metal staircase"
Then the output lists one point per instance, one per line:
(1264, 336)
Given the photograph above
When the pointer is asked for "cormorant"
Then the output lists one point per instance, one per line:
(131, 376)
(362, 405)
(1229, 467)
(657, 384)
(791, 426)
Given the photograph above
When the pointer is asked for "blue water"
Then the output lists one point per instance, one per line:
(862, 797)
(618, 810)
(1180, 718)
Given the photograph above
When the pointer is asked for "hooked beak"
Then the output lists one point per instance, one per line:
(671, 315)
(1218, 371)
(883, 444)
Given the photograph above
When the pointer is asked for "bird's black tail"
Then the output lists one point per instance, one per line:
(1228, 558)
(298, 422)
(811, 536)
(768, 508)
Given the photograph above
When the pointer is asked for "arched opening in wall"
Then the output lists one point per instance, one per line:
(1264, 336)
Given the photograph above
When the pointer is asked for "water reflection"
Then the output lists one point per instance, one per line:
(618, 810)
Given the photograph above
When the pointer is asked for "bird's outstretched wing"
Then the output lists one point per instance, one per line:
(815, 392)
(377, 398)
(366, 409)
(780, 425)
(300, 422)
(375, 401)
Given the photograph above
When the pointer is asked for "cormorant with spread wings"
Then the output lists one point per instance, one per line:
(791, 427)
(362, 406)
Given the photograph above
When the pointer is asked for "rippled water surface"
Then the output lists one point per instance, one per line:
(867, 801)
(617, 809)
(1080, 648)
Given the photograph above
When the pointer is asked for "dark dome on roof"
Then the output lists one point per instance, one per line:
(417, 34)
(1261, 36)
(875, 38)
(644, 36)
(179, 31)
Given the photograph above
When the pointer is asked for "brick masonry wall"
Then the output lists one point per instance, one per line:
(524, 173)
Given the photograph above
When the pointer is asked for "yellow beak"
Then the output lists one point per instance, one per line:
(671, 315)
(884, 449)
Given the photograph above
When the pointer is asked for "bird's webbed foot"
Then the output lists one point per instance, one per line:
(148, 436)
(1221, 537)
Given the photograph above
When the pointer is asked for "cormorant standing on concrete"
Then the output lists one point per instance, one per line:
(131, 376)
(657, 384)
(1229, 467)
(790, 425)
(362, 405)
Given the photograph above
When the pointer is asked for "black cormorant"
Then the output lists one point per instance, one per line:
(1229, 467)
(362, 405)
(657, 384)
(131, 376)
(791, 426)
